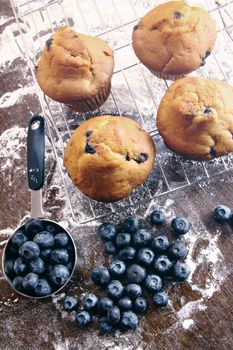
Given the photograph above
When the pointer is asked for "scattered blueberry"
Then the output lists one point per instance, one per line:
(20, 266)
(160, 243)
(153, 283)
(59, 274)
(136, 273)
(114, 315)
(59, 256)
(45, 254)
(160, 299)
(50, 228)
(29, 250)
(43, 288)
(83, 319)
(107, 231)
(100, 276)
(18, 238)
(33, 226)
(105, 326)
(127, 254)
(145, 256)
(222, 214)
(140, 305)
(133, 290)
(122, 240)
(9, 267)
(110, 248)
(44, 239)
(61, 239)
(117, 268)
(131, 224)
(162, 265)
(115, 289)
(70, 303)
(157, 218)
(141, 238)
(129, 320)
(180, 225)
(30, 281)
(104, 304)
(18, 283)
(37, 266)
(125, 303)
(177, 250)
(181, 271)
(90, 302)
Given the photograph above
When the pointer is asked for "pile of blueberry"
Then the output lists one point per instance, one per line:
(141, 265)
(39, 258)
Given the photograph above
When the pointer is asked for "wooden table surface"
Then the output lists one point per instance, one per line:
(199, 315)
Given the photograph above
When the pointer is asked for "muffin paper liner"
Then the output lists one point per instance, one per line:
(166, 76)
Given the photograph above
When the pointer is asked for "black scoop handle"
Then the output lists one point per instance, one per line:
(36, 152)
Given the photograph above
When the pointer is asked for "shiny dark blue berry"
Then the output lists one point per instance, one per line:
(37, 266)
(110, 248)
(157, 217)
(117, 268)
(59, 274)
(9, 267)
(162, 265)
(133, 291)
(51, 228)
(43, 288)
(90, 302)
(122, 240)
(141, 238)
(160, 299)
(45, 254)
(20, 266)
(70, 303)
(100, 276)
(83, 319)
(18, 283)
(29, 250)
(131, 224)
(44, 239)
(114, 315)
(136, 273)
(145, 256)
(159, 244)
(140, 305)
(180, 225)
(129, 320)
(153, 283)
(107, 231)
(125, 303)
(30, 281)
(61, 239)
(222, 214)
(181, 271)
(18, 238)
(105, 326)
(177, 250)
(104, 304)
(33, 226)
(115, 289)
(59, 256)
(127, 254)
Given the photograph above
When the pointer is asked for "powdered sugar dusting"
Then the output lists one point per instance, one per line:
(187, 323)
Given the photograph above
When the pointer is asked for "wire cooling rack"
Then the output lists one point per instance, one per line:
(135, 92)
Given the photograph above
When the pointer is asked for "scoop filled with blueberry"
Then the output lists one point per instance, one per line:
(40, 257)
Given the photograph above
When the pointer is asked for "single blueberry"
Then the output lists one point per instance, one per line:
(122, 240)
(129, 320)
(45, 254)
(30, 281)
(107, 231)
(70, 303)
(207, 110)
(181, 271)
(177, 250)
(105, 326)
(157, 217)
(33, 226)
(37, 266)
(117, 268)
(90, 302)
(127, 254)
(162, 265)
(180, 225)
(20, 266)
(18, 238)
(131, 224)
(115, 289)
(140, 305)
(136, 273)
(59, 256)
(44, 239)
(178, 15)
(61, 239)
(89, 149)
(49, 42)
(136, 27)
(9, 267)
(29, 250)
(83, 319)
(133, 291)
(59, 274)
(110, 248)
(160, 299)
(153, 283)
(141, 238)
(43, 288)
(88, 133)
(125, 303)
(222, 214)
(104, 304)
(100, 276)
(159, 243)
(213, 152)
(18, 283)
(145, 256)
(51, 228)
(114, 315)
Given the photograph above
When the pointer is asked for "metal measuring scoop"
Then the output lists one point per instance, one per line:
(35, 175)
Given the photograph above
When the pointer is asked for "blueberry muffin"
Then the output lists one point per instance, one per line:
(76, 69)
(174, 39)
(107, 157)
(195, 118)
